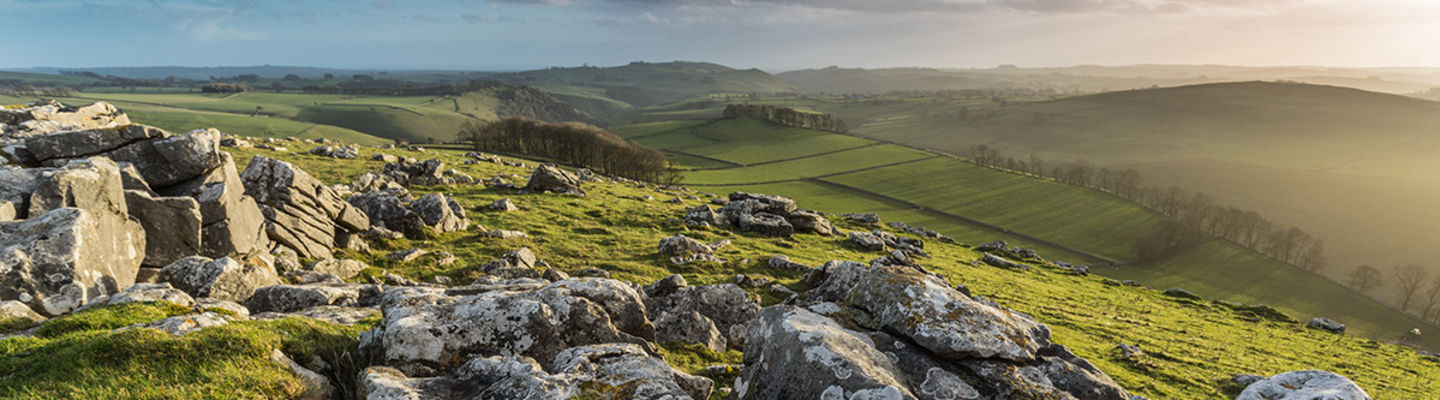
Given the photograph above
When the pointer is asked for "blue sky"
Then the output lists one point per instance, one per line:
(769, 34)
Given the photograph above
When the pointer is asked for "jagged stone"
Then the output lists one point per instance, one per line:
(14, 310)
(727, 305)
(236, 309)
(535, 323)
(316, 386)
(292, 298)
(502, 205)
(406, 256)
(343, 269)
(503, 234)
(807, 221)
(387, 210)
(79, 242)
(783, 263)
(440, 212)
(42, 118)
(80, 143)
(1326, 324)
(1002, 262)
(550, 178)
(223, 278)
(300, 212)
(682, 245)
(333, 314)
(172, 226)
(689, 327)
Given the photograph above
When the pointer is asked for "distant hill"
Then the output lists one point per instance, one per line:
(1357, 169)
(1093, 79)
(642, 83)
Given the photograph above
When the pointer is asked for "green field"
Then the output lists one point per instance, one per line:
(976, 204)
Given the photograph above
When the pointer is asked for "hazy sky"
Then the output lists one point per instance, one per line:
(770, 34)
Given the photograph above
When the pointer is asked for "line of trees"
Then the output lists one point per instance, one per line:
(787, 116)
(1193, 216)
(220, 87)
(1417, 292)
(571, 143)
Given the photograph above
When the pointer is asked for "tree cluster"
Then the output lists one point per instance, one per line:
(571, 143)
(222, 87)
(1193, 216)
(1411, 281)
(788, 117)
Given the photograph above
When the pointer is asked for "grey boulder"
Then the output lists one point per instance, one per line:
(1304, 385)
(223, 278)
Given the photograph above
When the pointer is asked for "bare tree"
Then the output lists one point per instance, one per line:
(1365, 278)
(1410, 278)
(1432, 301)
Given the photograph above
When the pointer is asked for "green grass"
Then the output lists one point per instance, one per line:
(1073, 216)
(78, 356)
(748, 141)
(1235, 275)
(847, 160)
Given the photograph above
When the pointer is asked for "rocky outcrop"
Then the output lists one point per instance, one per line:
(440, 212)
(172, 226)
(767, 215)
(617, 370)
(896, 332)
(1309, 384)
(78, 242)
(223, 278)
(727, 306)
(550, 178)
(787, 117)
(392, 210)
(409, 172)
(300, 212)
(426, 332)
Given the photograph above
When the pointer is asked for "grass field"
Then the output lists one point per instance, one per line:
(1192, 347)
(975, 204)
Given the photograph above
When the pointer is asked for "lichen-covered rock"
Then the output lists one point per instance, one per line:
(315, 386)
(1304, 385)
(792, 353)
(182, 325)
(223, 278)
(79, 143)
(1002, 262)
(689, 327)
(333, 314)
(344, 269)
(729, 306)
(232, 223)
(949, 324)
(300, 212)
(502, 205)
(867, 240)
(612, 370)
(59, 260)
(293, 298)
(42, 118)
(681, 245)
(806, 221)
(441, 213)
(783, 263)
(703, 215)
(145, 292)
(425, 332)
(550, 178)
(387, 210)
(765, 224)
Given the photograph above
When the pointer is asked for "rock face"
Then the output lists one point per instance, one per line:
(1304, 385)
(172, 226)
(440, 212)
(727, 306)
(903, 334)
(620, 370)
(79, 242)
(550, 178)
(53, 117)
(425, 332)
(300, 212)
(223, 278)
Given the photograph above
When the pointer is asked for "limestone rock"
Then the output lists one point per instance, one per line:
(344, 269)
(386, 209)
(300, 212)
(172, 226)
(222, 278)
(11, 309)
(60, 260)
(317, 387)
(144, 292)
(1326, 324)
(79, 143)
(682, 245)
(292, 298)
(806, 221)
(727, 305)
(182, 325)
(550, 178)
(689, 327)
(502, 205)
(440, 212)
(1304, 385)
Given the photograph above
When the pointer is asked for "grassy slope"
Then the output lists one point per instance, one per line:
(1078, 218)
(1192, 346)
(669, 79)
(46, 79)
(1348, 166)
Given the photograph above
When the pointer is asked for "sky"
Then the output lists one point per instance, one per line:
(775, 35)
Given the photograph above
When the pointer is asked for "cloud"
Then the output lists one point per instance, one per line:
(210, 30)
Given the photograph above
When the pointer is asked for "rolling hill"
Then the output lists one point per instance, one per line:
(974, 204)
(1094, 78)
(643, 83)
(1349, 166)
